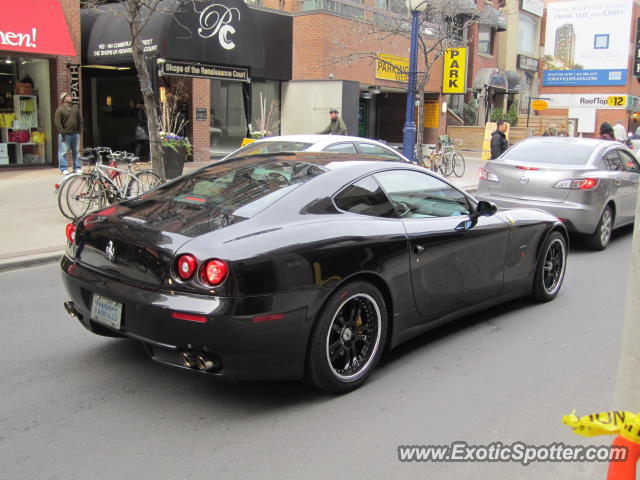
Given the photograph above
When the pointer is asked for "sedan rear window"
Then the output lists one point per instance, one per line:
(550, 152)
(221, 194)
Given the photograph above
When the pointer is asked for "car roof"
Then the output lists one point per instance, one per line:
(330, 160)
(595, 142)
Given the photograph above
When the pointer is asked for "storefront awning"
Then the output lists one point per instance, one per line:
(505, 81)
(35, 26)
(221, 33)
(492, 17)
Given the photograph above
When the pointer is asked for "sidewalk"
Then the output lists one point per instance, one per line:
(33, 229)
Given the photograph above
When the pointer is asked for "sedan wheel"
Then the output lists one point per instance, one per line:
(348, 338)
(600, 238)
(550, 268)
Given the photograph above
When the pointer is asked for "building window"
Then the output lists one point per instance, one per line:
(485, 40)
(601, 42)
(527, 29)
(265, 106)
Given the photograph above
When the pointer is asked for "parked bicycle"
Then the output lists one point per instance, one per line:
(106, 182)
(444, 158)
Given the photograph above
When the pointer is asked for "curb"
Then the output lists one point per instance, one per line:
(17, 263)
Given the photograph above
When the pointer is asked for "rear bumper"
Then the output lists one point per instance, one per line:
(577, 217)
(247, 350)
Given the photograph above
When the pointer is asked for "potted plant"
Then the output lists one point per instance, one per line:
(175, 150)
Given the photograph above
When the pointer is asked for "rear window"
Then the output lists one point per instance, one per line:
(553, 153)
(221, 194)
(261, 147)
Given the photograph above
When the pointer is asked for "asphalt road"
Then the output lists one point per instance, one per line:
(77, 406)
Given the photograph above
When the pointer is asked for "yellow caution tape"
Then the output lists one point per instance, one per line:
(625, 424)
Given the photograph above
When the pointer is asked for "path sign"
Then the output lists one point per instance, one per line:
(539, 105)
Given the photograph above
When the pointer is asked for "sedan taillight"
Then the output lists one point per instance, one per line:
(214, 272)
(577, 183)
(70, 232)
(485, 174)
(187, 265)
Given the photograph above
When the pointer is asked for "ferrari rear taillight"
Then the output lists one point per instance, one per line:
(70, 232)
(214, 272)
(485, 174)
(186, 266)
(577, 183)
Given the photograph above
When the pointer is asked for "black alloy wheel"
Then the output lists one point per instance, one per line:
(550, 268)
(348, 338)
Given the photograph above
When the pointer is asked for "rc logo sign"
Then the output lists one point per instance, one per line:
(215, 20)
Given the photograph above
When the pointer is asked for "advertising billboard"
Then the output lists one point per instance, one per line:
(587, 43)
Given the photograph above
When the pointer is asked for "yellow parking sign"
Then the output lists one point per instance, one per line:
(454, 73)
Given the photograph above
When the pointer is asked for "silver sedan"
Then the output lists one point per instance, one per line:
(591, 185)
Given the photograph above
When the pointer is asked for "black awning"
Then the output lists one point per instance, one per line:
(221, 33)
(492, 17)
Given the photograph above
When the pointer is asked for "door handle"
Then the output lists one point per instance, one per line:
(418, 249)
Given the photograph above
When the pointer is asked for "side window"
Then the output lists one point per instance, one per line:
(365, 197)
(376, 150)
(419, 195)
(341, 148)
(629, 164)
(612, 160)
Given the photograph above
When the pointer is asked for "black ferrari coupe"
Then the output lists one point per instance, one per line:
(301, 265)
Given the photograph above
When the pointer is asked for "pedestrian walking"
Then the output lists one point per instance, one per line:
(68, 124)
(606, 131)
(499, 142)
(336, 125)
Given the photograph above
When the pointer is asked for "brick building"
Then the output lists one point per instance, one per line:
(588, 70)
(40, 59)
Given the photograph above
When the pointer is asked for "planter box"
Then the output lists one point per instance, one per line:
(173, 161)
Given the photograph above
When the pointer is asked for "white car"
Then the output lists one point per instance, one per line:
(318, 143)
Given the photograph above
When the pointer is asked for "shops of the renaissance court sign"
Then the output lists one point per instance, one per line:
(198, 70)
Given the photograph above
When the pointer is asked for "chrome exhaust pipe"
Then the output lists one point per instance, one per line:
(188, 360)
(71, 309)
(204, 363)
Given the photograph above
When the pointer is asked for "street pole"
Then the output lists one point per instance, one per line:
(409, 130)
(627, 392)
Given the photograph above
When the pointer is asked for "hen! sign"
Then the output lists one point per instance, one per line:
(42, 31)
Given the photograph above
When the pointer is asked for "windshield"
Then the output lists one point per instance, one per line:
(265, 146)
(550, 152)
(221, 194)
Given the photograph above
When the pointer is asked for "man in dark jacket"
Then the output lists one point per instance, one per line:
(499, 140)
(336, 125)
(68, 123)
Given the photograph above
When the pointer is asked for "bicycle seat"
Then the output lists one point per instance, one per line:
(87, 159)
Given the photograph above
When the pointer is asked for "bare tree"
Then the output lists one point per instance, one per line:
(136, 13)
(442, 25)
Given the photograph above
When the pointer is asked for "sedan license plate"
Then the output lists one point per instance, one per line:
(106, 311)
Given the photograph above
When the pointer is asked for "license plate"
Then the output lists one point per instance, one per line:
(106, 311)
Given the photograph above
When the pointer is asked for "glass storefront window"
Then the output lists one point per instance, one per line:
(265, 106)
(228, 116)
(25, 112)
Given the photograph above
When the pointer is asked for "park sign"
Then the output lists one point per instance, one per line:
(454, 73)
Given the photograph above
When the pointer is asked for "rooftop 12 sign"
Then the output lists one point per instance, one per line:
(587, 43)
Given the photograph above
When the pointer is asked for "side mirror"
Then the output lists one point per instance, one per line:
(486, 209)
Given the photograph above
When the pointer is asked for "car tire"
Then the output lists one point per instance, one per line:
(550, 268)
(348, 338)
(599, 239)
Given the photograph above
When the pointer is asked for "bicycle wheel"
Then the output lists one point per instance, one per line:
(62, 197)
(458, 164)
(142, 183)
(83, 194)
(446, 167)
